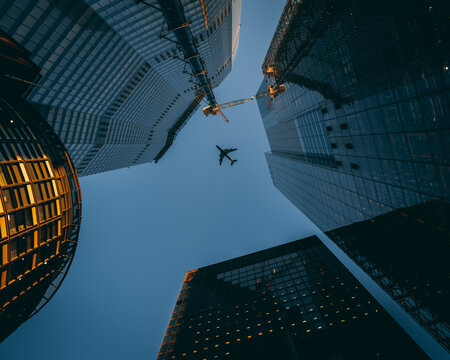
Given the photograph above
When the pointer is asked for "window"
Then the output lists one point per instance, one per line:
(16, 197)
(19, 220)
(11, 174)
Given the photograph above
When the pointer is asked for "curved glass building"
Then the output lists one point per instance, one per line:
(40, 203)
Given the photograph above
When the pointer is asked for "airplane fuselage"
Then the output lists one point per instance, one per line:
(224, 153)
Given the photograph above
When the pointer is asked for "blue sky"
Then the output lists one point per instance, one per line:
(143, 227)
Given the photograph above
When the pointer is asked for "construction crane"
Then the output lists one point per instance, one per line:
(273, 92)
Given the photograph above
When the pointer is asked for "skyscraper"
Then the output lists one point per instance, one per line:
(117, 82)
(40, 203)
(362, 130)
(406, 252)
(362, 127)
(293, 301)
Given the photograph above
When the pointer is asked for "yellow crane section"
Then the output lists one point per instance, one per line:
(273, 92)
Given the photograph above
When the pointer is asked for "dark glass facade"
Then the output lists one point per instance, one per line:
(363, 126)
(363, 130)
(293, 301)
(406, 252)
(40, 203)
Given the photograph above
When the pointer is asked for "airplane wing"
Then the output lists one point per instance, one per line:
(226, 151)
(221, 156)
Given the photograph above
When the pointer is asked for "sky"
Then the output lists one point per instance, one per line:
(143, 227)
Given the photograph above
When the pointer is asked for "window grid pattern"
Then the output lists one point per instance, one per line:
(245, 306)
(39, 214)
(379, 81)
(91, 52)
(414, 275)
(389, 142)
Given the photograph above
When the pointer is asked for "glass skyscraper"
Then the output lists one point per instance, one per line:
(363, 126)
(293, 301)
(40, 202)
(115, 85)
(362, 130)
(406, 253)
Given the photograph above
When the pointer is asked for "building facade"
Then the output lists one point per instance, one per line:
(363, 126)
(116, 86)
(390, 248)
(293, 301)
(363, 129)
(40, 203)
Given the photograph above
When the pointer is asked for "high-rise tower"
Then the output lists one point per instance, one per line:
(362, 131)
(293, 301)
(119, 78)
(406, 252)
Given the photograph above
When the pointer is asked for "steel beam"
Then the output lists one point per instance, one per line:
(173, 13)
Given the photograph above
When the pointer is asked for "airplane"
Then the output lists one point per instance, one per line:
(224, 153)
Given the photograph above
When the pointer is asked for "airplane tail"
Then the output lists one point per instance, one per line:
(232, 162)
